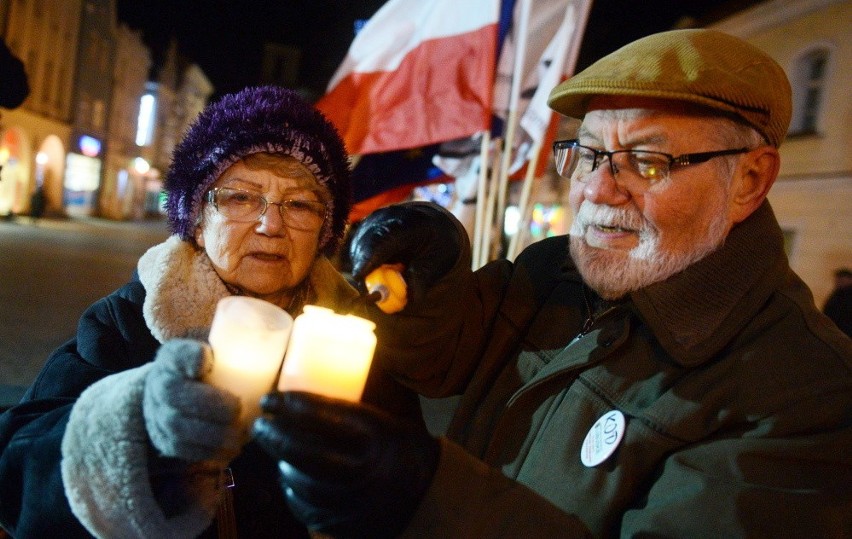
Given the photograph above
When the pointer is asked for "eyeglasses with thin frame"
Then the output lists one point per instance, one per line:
(246, 207)
(576, 162)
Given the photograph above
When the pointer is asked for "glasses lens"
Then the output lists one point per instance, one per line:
(586, 161)
(652, 166)
(238, 205)
(244, 206)
(562, 155)
(571, 158)
(303, 214)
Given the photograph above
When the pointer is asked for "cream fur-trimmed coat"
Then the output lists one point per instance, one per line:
(107, 458)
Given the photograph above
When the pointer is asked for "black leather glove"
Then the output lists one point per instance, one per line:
(424, 237)
(347, 469)
(187, 418)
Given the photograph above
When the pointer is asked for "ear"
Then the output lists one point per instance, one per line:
(199, 236)
(755, 175)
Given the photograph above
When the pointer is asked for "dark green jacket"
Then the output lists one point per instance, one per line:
(736, 392)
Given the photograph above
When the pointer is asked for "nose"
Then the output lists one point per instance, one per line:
(271, 223)
(602, 187)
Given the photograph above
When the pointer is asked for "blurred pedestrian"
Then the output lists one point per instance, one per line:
(838, 306)
(37, 202)
(119, 436)
(659, 372)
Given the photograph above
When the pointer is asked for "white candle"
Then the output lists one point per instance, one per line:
(329, 354)
(248, 337)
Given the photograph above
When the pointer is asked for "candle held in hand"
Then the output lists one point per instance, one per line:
(328, 354)
(248, 338)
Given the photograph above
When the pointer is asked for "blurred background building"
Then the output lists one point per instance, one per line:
(812, 40)
(75, 137)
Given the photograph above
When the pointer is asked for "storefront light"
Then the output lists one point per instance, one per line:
(90, 146)
(141, 166)
(511, 220)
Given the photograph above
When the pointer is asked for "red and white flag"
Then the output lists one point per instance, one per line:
(419, 72)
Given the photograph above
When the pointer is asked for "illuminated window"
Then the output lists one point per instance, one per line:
(145, 121)
(810, 82)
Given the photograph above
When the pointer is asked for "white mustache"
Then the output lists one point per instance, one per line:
(592, 214)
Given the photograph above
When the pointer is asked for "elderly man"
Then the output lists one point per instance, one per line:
(659, 372)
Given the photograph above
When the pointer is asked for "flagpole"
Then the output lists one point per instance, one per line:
(480, 198)
(511, 122)
(523, 210)
(488, 219)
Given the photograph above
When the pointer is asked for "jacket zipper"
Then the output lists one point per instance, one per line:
(590, 319)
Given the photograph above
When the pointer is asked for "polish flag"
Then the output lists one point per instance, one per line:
(419, 72)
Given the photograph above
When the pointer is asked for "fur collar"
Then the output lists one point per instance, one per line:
(182, 288)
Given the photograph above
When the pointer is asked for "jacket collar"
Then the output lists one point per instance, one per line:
(697, 312)
(182, 289)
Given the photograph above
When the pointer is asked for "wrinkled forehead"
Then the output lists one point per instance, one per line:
(634, 107)
(655, 118)
(281, 165)
(289, 167)
(629, 107)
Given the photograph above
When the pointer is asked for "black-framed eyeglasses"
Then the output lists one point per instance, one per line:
(575, 161)
(246, 207)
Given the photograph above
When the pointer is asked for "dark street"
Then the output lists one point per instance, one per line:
(50, 271)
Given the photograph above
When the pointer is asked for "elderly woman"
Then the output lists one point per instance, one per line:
(119, 436)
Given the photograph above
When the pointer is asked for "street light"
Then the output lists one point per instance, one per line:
(141, 166)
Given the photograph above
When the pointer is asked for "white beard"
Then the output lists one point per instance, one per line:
(613, 274)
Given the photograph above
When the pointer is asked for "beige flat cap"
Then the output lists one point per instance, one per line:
(707, 67)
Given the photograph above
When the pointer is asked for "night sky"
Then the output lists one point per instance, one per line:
(225, 38)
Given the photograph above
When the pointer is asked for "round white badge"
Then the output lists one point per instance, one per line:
(603, 438)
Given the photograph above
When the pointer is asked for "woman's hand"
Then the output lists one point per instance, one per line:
(187, 418)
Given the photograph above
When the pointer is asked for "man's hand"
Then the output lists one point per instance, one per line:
(187, 418)
(424, 238)
(347, 469)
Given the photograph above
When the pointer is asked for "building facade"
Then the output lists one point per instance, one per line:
(73, 140)
(92, 91)
(44, 36)
(122, 194)
(180, 92)
(812, 198)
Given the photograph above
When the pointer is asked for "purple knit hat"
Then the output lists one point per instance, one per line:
(253, 120)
